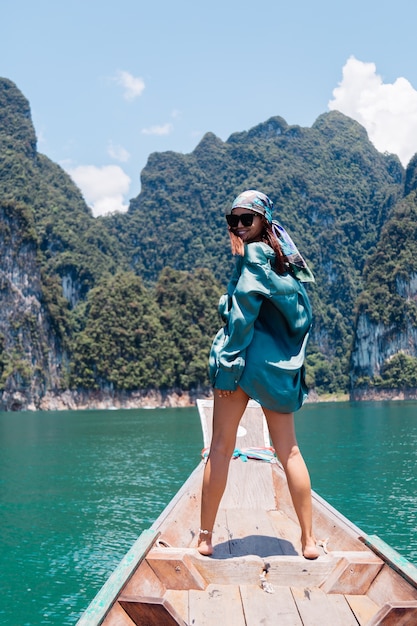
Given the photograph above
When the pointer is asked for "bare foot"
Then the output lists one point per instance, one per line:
(204, 544)
(310, 550)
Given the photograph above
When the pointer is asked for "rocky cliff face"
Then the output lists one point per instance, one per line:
(52, 252)
(375, 344)
(332, 189)
(31, 355)
(386, 327)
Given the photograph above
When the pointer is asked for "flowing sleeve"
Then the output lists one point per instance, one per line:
(244, 302)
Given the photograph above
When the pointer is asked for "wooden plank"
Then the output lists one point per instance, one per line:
(354, 573)
(144, 582)
(152, 612)
(363, 608)
(252, 533)
(178, 524)
(296, 571)
(330, 524)
(117, 617)
(396, 614)
(315, 606)
(400, 564)
(269, 609)
(282, 570)
(217, 604)
(221, 536)
(249, 486)
(287, 531)
(174, 569)
(342, 608)
(178, 599)
(230, 571)
(388, 586)
(95, 612)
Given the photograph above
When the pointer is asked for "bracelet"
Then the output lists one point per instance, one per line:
(204, 532)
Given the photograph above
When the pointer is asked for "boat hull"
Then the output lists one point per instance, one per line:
(257, 574)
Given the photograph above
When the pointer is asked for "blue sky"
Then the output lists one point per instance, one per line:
(111, 82)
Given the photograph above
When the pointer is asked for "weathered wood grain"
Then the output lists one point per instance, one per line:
(251, 532)
(152, 612)
(363, 608)
(180, 600)
(269, 609)
(144, 582)
(249, 486)
(117, 617)
(354, 573)
(217, 604)
(174, 570)
(396, 614)
(317, 608)
(389, 586)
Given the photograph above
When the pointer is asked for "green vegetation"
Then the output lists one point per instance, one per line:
(331, 189)
(390, 269)
(129, 301)
(137, 338)
(399, 372)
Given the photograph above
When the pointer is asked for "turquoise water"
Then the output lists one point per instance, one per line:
(77, 488)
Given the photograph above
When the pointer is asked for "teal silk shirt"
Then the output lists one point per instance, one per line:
(267, 319)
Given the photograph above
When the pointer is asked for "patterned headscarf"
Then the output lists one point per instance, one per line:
(255, 201)
(260, 203)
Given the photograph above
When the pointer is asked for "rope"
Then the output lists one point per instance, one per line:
(259, 454)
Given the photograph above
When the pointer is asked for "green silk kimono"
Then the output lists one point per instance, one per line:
(261, 347)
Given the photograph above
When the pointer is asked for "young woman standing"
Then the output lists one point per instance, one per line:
(259, 354)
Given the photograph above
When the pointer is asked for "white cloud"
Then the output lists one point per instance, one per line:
(133, 86)
(104, 188)
(164, 129)
(118, 152)
(387, 111)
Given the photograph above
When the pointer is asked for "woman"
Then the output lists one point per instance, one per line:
(259, 354)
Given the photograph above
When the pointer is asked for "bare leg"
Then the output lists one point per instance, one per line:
(227, 413)
(282, 431)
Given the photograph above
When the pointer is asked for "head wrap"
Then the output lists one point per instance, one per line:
(299, 267)
(260, 203)
(255, 201)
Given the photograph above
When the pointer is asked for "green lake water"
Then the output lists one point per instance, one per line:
(77, 488)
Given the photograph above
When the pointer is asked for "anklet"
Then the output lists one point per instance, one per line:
(205, 532)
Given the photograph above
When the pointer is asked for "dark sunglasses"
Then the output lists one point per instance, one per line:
(245, 218)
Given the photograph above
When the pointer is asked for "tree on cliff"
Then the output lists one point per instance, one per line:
(130, 300)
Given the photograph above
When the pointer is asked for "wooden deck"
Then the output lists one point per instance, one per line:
(257, 576)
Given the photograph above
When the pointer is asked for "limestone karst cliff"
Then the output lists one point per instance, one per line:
(384, 354)
(47, 262)
(31, 351)
(122, 309)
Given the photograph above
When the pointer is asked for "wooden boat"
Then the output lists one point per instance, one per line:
(256, 575)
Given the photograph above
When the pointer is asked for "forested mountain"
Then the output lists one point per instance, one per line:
(385, 348)
(127, 303)
(331, 189)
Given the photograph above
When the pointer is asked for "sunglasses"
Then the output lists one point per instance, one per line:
(245, 218)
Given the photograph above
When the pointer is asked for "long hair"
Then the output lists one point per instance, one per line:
(281, 262)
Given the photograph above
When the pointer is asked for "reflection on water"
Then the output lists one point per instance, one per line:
(77, 488)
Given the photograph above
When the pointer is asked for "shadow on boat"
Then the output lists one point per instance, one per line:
(254, 545)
